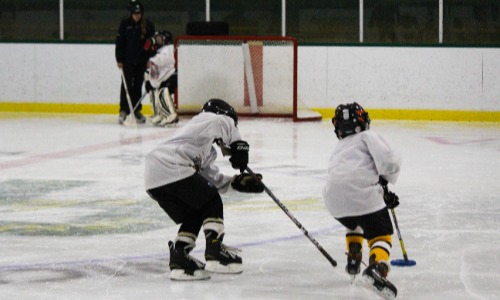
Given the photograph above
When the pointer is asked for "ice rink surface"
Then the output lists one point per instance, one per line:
(76, 223)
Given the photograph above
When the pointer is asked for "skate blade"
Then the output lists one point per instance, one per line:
(368, 283)
(216, 267)
(180, 275)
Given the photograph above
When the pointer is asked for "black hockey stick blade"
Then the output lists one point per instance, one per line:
(332, 261)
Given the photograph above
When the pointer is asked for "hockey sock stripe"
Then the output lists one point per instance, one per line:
(380, 249)
(186, 237)
(213, 220)
(214, 224)
(359, 235)
(385, 238)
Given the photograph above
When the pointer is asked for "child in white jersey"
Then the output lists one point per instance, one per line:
(356, 193)
(182, 177)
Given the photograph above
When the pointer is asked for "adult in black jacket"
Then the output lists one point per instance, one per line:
(132, 58)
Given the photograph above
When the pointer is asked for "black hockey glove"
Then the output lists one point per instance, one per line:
(382, 181)
(391, 199)
(239, 155)
(246, 183)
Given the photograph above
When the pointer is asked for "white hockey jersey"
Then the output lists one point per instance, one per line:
(191, 149)
(352, 187)
(161, 66)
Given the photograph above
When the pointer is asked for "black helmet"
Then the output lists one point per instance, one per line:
(220, 107)
(135, 6)
(165, 35)
(168, 37)
(350, 119)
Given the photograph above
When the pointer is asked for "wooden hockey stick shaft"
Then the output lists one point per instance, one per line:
(134, 121)
(140, 100)
(287, 212)
(405, 255)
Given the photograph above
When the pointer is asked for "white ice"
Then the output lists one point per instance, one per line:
(76, 223)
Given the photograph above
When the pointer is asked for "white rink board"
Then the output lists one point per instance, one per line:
(379, 77)
(402, 76)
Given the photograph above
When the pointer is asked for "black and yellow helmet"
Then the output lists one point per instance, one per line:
(350, 119)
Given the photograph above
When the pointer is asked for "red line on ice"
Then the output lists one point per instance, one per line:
(80, 150)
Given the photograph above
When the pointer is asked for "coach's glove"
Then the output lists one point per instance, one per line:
(391, 200)
(239, 155)
(246, 183)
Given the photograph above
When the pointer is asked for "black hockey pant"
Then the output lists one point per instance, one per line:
(189, 202)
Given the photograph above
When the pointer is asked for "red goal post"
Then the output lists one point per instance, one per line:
(257, 75)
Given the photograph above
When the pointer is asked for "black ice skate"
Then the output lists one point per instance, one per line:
(122, 117)
(221, 258)
(185, 267)
(353, 260)
(375, 275)
(139, 117)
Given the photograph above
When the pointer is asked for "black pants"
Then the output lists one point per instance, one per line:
(189, 202)
(134, 76)
(373, 225)
(170, 83)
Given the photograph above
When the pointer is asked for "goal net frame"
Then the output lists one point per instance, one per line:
(251, 96)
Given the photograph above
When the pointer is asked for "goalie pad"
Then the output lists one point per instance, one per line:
(163, 108)
(246, 183)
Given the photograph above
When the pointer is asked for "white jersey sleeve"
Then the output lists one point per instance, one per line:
(358, 160)
(211, 172)
(387, 160)
(191, 150)
(161, 66)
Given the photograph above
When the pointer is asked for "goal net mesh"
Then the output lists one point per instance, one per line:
(255, 75)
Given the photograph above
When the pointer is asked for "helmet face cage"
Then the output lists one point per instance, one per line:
(163, 38)
(160, 39)
(350, 119)
(220, 107)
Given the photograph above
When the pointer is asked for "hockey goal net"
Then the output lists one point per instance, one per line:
(256, 75)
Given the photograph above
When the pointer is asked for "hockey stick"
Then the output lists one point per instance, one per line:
(134, 121)
(140, 100)
(287, 212)
(406, 261)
